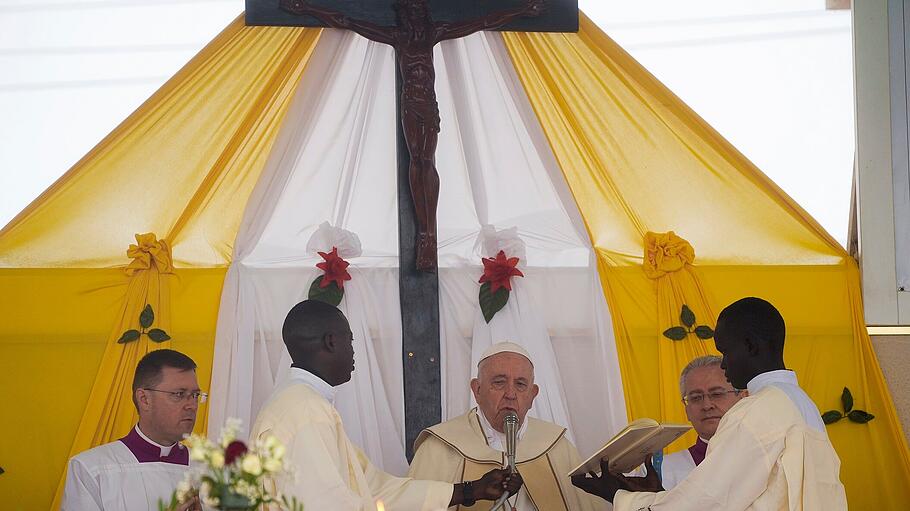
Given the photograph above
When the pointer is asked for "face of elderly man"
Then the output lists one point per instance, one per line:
(708, 397)
(504, 383)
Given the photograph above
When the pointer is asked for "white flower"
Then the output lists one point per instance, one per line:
(197, 453)
(278, 452)
(270, 442)
(211, 502)
(217, 459)
(272, 465)
(251, 464)
(229, 432)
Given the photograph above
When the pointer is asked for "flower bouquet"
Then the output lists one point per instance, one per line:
(230, 475)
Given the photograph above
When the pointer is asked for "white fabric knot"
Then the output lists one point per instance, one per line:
(328, 236)
(490, 241)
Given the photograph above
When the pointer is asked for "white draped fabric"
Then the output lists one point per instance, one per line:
(335, 161)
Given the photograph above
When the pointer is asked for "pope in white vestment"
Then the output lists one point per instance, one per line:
(331, 473)
(466, 447)
(131, 474)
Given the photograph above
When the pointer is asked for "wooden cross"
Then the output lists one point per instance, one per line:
(413, 28)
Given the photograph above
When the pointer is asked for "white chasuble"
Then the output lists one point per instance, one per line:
(764, 457)
(460, 450)
(131, 474)
(328, 471)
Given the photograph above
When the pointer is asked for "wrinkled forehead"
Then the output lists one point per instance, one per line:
(506, 363)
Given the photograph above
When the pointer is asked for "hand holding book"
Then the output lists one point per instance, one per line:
(606, 484)
(628, 449)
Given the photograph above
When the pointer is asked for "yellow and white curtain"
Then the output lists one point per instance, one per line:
(563, 136)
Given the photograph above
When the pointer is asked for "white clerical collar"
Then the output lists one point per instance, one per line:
(495, 439)
(764, 379)
(165, 449)
(298, 375)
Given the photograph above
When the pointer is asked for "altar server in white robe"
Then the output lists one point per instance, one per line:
(330, 472)
(770, 451)
(707, 395)
(145, 466)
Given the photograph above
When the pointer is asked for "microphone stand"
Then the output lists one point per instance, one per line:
(510, 425)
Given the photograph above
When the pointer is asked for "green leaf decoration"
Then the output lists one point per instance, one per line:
(128, 336)
(847, 399)
(147, 317)
(171, 505)
(832, 416)
(860, 416)
(857, 416)
(676, 333)
(331, 294)
(687, 317)
(491, 303)
(704, 332)
(158, 335)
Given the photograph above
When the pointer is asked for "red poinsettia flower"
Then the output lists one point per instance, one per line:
(234, 451)
(335, 269)
(499, 271)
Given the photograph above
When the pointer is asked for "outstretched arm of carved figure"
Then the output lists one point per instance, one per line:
(492, 21)
(337, 19)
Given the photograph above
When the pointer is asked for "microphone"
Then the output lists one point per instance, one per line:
(510, 427)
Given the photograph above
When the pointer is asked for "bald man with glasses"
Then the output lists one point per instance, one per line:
(136, 471)
(707, 395)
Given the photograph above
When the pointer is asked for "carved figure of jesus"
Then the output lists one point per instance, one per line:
(413, 38)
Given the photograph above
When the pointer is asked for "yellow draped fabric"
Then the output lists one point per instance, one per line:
(668, 262)
(636, 160)
(183, 165)
(109, 410)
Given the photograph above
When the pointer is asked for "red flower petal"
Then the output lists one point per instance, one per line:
(335, 269)
(499, 271)
(234, 451)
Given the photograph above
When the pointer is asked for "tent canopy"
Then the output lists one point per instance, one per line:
(617, 157)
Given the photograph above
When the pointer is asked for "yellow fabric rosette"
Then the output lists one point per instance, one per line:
(666, 253)
(149, 250)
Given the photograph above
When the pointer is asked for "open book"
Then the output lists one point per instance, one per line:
(632, 446)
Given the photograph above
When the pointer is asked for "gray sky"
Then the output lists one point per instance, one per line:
(773, 76)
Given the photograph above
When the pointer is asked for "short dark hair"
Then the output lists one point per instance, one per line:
(150, 367)
(309, 320)
(756, 318)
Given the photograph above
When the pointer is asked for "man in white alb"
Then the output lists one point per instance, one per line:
(770, 451)
(331, 473)
(145, 466)
(707, 395)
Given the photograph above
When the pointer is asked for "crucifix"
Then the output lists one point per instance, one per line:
(414, 29)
